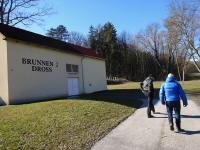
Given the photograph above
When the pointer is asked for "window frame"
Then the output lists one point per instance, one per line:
(70, 68)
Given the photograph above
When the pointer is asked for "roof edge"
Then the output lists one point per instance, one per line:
(28, 36)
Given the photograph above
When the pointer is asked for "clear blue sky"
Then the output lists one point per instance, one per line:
(126, 15)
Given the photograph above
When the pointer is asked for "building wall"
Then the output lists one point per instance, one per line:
(3, 71)
(27, 85)
(94, 74)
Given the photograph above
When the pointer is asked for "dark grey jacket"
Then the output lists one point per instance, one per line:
(147, 85)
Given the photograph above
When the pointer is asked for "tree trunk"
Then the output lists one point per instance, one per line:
(179, 73)
(169, 65)
(183, 78)
(195, 64)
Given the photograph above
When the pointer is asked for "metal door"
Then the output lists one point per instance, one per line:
(73, 86)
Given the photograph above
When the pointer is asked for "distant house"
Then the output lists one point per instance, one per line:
(34, 67)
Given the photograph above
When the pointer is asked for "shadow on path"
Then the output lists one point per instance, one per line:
(183, 116)
(164, 115)
(187, 132)
(191, 116)
(128, 97)
(190, 132)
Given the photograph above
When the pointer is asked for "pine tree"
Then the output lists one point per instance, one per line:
(109, 48)
(59, 33)
(92, 38)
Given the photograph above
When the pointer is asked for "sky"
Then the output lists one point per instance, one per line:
(126, 15)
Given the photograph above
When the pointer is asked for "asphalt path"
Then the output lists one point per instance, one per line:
(141, 133)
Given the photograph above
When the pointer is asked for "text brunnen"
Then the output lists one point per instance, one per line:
(39, 65)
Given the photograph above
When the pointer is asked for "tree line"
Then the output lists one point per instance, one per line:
(159, 49)
(152, 51)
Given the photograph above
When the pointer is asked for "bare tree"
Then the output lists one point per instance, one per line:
(170, 49)
(77, 39)
(178, 48)
(172, 46)
(152, 40)
(185, 19)
(13, 12)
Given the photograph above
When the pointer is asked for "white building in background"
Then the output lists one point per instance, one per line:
(34, 67)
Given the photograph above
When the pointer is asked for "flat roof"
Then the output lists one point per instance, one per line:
(27, 36)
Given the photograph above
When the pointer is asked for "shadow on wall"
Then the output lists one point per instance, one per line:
(2, 103)
(128, 97)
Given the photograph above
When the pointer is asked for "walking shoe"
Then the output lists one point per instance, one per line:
(180, 130)
(150, 116)
(171, 127)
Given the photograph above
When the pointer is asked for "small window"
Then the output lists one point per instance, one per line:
(68, 67)
(74, 68)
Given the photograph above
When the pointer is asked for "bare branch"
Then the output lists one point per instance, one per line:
(13, 12)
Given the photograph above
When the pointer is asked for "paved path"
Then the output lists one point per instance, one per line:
(140, 133)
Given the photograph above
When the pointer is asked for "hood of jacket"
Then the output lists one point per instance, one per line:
(171, 79)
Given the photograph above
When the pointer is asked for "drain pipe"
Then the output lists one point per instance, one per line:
(83, 84)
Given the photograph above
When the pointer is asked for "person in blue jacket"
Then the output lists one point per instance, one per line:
(170, 94)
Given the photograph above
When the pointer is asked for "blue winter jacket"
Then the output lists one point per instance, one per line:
(171, 90)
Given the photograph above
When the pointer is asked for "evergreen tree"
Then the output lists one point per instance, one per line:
(104, 41)
(59, 33)
(109, 49)
(95, 39)
(92, 37)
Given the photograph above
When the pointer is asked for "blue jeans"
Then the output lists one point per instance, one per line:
(174, 105)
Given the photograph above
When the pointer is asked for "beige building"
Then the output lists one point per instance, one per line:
(35, 68)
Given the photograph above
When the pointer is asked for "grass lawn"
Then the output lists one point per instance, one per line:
(63, 124)
(193, 88)
(72, 124)
(190, 87)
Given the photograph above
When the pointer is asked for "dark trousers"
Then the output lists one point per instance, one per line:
(174, 105)
(150, 106)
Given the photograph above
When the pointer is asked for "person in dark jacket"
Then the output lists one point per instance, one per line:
(170, 94)
(148, 90)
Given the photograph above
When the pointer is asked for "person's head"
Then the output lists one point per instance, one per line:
(151, 76)
(170, 75)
